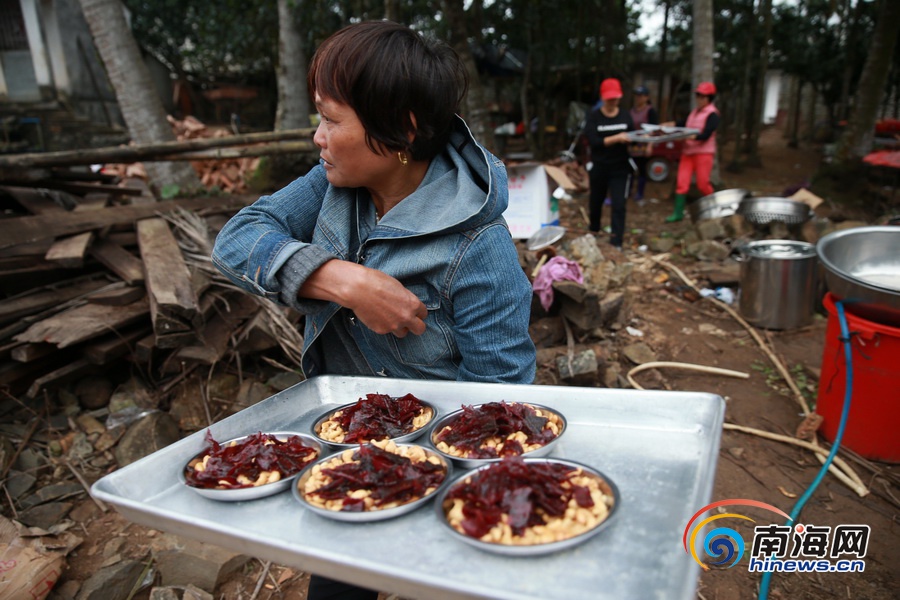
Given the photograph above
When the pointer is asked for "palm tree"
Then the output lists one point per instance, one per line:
(141, 107)
(293, 95)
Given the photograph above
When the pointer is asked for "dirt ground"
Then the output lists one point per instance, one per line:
(748, 467)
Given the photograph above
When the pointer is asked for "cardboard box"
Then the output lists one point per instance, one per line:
(532, 204)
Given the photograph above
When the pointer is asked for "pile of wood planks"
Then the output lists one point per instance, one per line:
(102, 281)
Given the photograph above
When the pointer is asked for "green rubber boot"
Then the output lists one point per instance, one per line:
(680, 201)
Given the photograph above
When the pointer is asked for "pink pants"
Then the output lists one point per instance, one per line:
(699, 164)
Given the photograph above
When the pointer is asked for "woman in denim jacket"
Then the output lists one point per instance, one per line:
(398, 230)
(394, 247)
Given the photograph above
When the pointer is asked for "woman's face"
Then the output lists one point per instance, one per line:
(702, 100)
(348, 161)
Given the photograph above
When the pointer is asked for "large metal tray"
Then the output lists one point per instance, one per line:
(659, 447)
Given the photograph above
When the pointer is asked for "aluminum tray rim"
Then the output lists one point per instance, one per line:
(474, 463)
(534, 549)
(401, 439)
(372, 515)
(262, 491)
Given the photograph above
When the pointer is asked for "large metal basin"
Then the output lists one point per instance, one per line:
(862, 268)
(719, 204)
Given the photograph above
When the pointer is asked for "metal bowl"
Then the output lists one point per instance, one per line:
(261, 491)
(474, 463)
(723, 203)
(544, 237)
(862, 268)
(407, 437)
(763, 210)
(369, 515)
(606, 485)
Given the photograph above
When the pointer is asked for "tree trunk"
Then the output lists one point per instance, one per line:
(762, 65)
(794, 126)
(293, 95)
(857, 139)
(663, 67)
(477, 115)
(704, 46)
(141, 106)
(702, 68)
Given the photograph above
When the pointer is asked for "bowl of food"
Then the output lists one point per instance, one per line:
(249, 467)
(481, 433)
(373, 482)
(373, 418)
(528, 506)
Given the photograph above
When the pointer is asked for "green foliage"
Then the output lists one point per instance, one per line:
(775, 381)
(209, 39)
(169, 191)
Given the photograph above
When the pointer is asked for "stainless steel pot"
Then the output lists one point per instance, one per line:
(778, 283)
(862, 268)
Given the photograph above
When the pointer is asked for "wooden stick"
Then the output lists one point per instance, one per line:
(856, 485)
(100, 503)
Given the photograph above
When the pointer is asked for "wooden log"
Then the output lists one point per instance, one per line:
(16, 377)
(246, 151)
(39, 201)
(217, 332)
(25, 353)
(62, 375)
(37, 300)
(119, 260)
(145, 349)
(33, 249)
(83, 323)
(145, 152)
(69, 251)
(92, 201)
(111, 347)
(118, 297)
(145, 195)
(174, 306)
(21, 230)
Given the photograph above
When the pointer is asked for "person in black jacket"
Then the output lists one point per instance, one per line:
(606, 130)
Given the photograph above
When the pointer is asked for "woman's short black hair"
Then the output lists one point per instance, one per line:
(389, 75)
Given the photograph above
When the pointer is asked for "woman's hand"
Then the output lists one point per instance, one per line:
(619, 138)
(378, 300)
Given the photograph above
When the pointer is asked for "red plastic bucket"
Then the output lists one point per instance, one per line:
(874, 417)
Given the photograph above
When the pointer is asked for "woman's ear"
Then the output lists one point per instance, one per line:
(412, 134)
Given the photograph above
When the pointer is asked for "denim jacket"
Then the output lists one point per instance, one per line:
(447, 243)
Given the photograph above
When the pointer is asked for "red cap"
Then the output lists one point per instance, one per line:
(707, 88)
(610, 88)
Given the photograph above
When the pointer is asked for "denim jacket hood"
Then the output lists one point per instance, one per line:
(446, 242)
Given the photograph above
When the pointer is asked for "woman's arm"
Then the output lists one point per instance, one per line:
(712, 122)
(256, 243)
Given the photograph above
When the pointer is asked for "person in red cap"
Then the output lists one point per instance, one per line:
(699, 150)
(606, 130)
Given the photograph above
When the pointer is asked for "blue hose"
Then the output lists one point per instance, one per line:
(848, 392)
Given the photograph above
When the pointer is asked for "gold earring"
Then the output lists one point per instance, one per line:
(402, 158)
